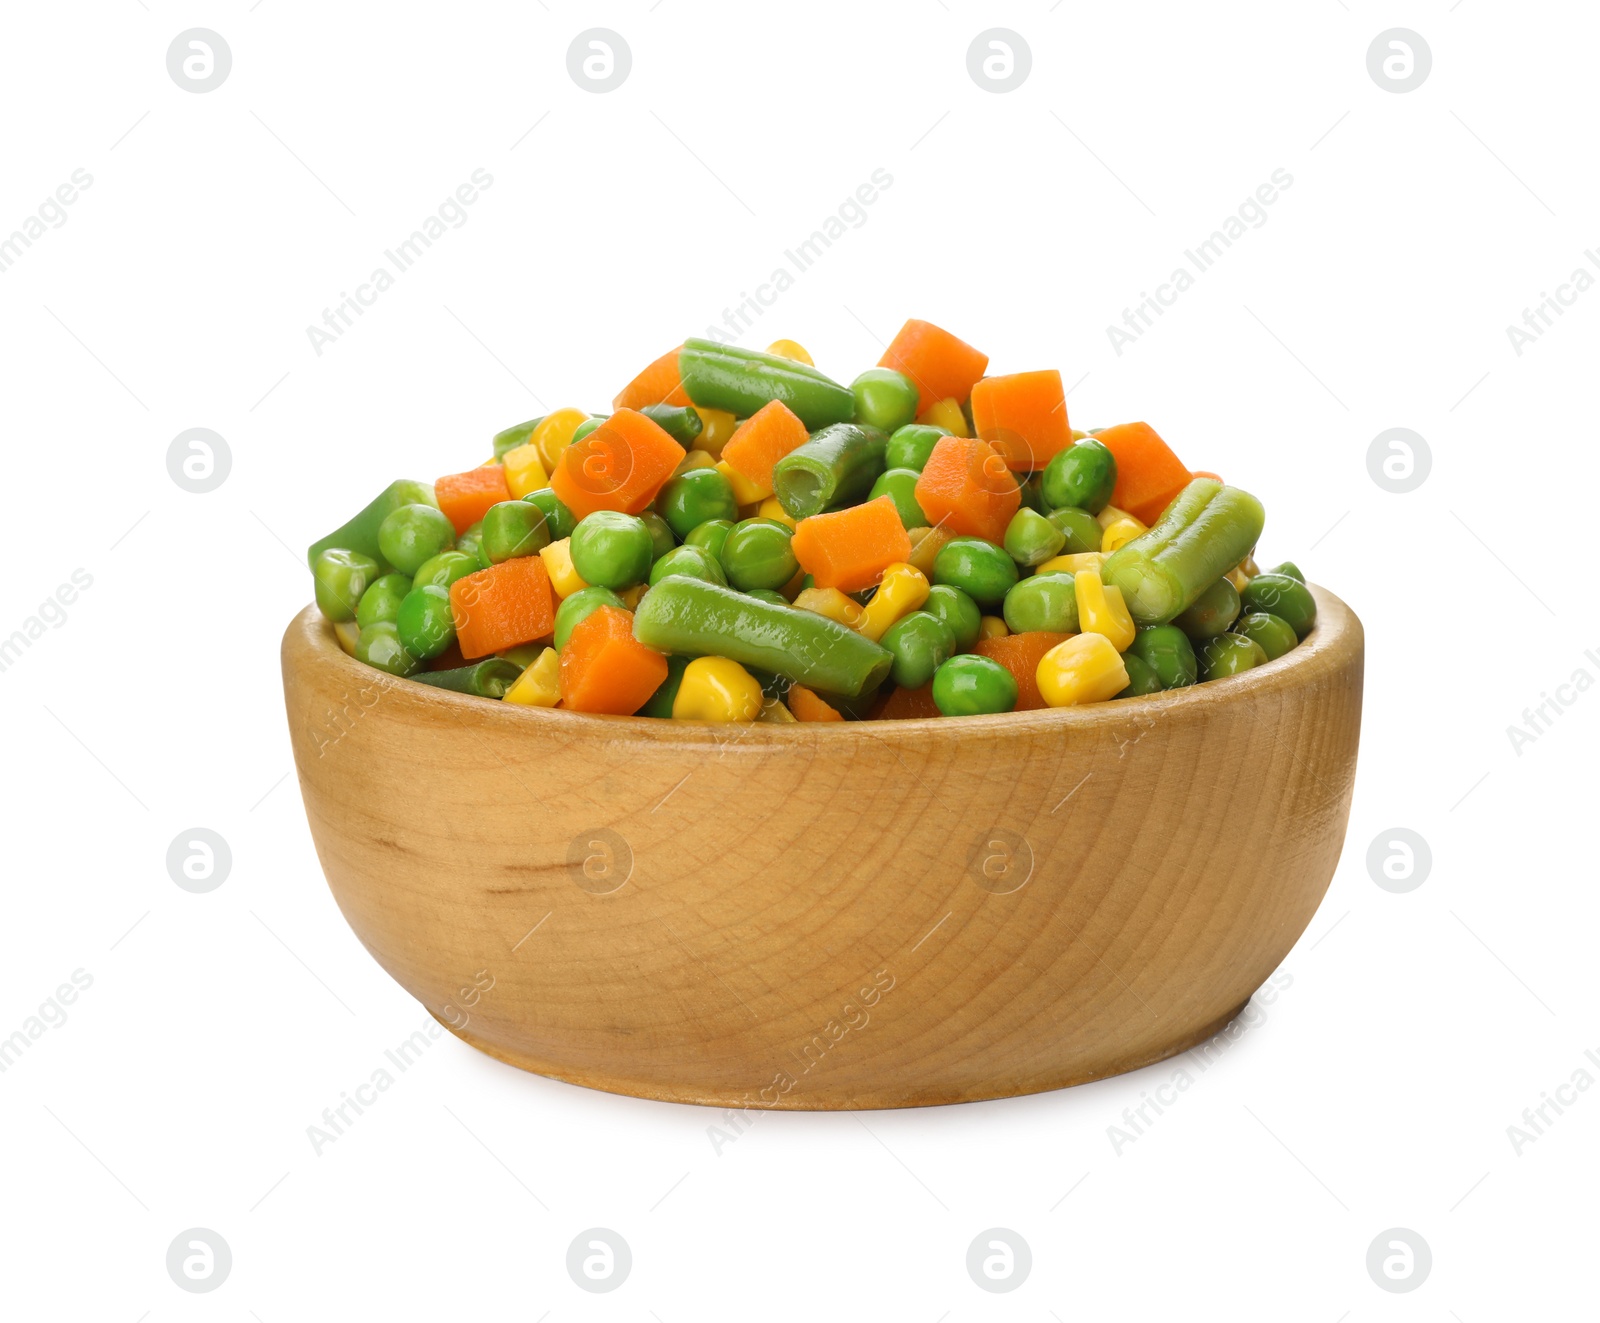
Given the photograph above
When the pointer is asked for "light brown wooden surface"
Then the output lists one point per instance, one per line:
(1034, 900)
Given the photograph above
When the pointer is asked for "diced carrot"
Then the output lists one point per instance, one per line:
(764, 438)
(605, 669)
(464, 497)
(966, 488)
(850, 548)
(1020, 654)
(806, 706)
(1149, 475)
(502, 606)
(618, 466)
(1206, 473)
(908, 704)
(940, 365)
(660, 383)
(1023, 416)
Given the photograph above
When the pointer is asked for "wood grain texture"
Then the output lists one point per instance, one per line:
(856, 915)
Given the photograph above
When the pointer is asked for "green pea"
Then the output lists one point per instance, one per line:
(660, 704)
(712, 535)
(557, 517)
(969, 685)
(1286, 598)
(1031, 539)
(1166, 650)
(379, 645)
(768, 595)
(1031, 485)
(425, 624)
(470, 542)
(512, 529)
(381, 601)
(587, 425)
(757, 554)
(1083, 475)
(694, 562)
(1211, 613)
(1142, 677)
(900, 485)
(578, 608)
(413, 533)
(976, 566)
(611, 549)
(1044, 601)
(911, 445)
(340, 577)
(661, 538)
(885, 399)
(958, 611)
(694, 497)
(1275, 634)
(445, 568)
(920, 644)
(1229, 654)
(1291, 569)
(1080, 530)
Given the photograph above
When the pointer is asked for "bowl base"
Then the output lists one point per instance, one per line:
(798, 1101)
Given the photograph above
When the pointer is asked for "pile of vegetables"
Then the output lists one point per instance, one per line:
(744, 539)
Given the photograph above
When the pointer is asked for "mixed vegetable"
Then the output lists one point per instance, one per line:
(744, 539)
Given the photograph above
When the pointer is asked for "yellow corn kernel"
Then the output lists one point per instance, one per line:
(992, 627)
(1109, 516)
(925, 545)
(716, 426)
(716, 689)
(1077, 435)
(745, 492)
(946, 414)
(770, 509)
(347, 632)
(630, 597)
(695, 459)
(524, 470)
(1248, 566)
(790, 350)
(903, 590)
(1073, 562)
(557, 558)
(829, 602)
(1084, 669)
(540, 684)
(554, 434)
(1238, 578)
(773, 710)
(1101, 610)
(1120, 532)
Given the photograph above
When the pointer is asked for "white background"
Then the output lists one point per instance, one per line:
(1376, 1091)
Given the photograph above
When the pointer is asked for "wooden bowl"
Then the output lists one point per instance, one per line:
(883, 914)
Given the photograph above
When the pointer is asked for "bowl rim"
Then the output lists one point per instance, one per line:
(1334, 640)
